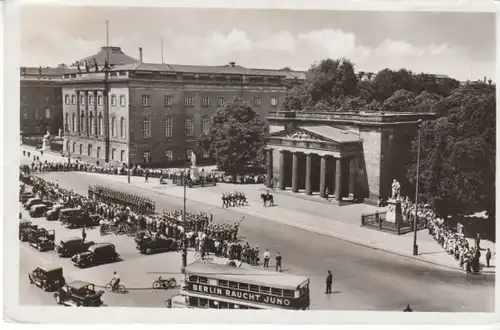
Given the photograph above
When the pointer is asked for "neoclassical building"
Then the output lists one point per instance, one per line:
(348, 154)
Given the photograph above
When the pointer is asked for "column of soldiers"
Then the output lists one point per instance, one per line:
(233, 199)
(138, 204)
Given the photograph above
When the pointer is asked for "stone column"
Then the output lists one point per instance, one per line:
(87, 130)
(78, 111)
(352, 174)
(282, 170)
(295, 172)
(338, 179)
(322, 177)
(269, 154)
(96, 117)
(308, 174)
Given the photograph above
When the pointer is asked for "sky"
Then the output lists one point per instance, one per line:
(461, 45)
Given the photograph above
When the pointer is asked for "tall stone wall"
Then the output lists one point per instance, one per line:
(370, 162)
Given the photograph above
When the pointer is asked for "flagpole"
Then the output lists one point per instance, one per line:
(107, 41)
(162, 50)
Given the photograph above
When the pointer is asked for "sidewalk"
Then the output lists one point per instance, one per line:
(341, 222)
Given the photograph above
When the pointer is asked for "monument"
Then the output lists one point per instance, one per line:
(46, 141)
(394, 204)
(195, 175)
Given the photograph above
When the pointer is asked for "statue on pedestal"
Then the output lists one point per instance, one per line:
(195, 175)
(396, 190)
(46, 141)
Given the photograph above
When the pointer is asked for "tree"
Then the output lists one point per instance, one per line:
(457, 166)
(237, 138)
(401, 101)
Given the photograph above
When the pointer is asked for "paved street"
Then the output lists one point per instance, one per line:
(365, 279)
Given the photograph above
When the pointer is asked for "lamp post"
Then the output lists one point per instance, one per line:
(415, 223)
(66, 129)
(184, 235)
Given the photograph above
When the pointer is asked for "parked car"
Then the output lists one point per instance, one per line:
(153, 245)
(71, 246)
(32, 201)
(82, 220)
(25, 196)
(43, 240)
(101, 253)
(34, 234)
(48, 278)
(66, 213)
(79, 293)
(53, 213)
(38, 210)
(25, 227)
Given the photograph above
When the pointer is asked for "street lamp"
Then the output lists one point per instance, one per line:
(66, 129)
(184, 236)
(415, 223)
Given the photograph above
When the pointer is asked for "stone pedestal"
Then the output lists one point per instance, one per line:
(394, 213)
(46, 144)
(195, 174)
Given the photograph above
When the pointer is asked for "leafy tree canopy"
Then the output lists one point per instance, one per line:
(237, 138)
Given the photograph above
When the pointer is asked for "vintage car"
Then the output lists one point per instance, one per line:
(71, 246)
(49, 278)
(25, 227)
(82, 220)
(79, 293)
(38, 210)
(153, 245)
(43, 240)
(67, 213)
(53, 213)
(97, 254)
(23, 197)
(32, 201)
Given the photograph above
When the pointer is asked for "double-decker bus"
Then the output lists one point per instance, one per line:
(218, 286)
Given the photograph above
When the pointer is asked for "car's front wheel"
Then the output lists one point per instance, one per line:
(57, 297)
(148, 251)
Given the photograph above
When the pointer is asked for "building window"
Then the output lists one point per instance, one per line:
(256, 101)
(146, 101)
(189, 127)
(98, 154)
(205, 101)
(122, 127)
(169, 154)
(274, 101)
(168, 100)
(81, 149)
(122, 155)
(146, 156)
(82, 99)
(189, 153)
(73, 122)
(122, 100)
(66, 99)
(89, 150)
(168, 127)
(113, 100)
(91, 99)
(73, 99)
(99, 99)
(82, 122)
(146, 128)
(25, 113)
(66, 121)
(205, 125)
(58, 97)
(113, 127)
(74, 147)
(100, 125)
(47, 113)
(220, 101)
(189, 101)
(206, 152)
(91, 123)
(113, 152)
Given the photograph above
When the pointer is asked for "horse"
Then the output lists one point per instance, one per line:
(267, 197)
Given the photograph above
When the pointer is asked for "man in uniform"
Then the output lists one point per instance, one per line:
(329, 281)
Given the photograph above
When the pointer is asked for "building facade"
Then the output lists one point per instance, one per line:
(155, 113)
(40, 100)
(349, 155)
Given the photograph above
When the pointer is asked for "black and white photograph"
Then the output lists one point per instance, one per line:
(224, 158)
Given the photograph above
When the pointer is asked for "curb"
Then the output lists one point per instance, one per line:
(318, 231)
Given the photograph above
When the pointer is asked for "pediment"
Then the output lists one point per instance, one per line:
(300, 135)
(320, 133)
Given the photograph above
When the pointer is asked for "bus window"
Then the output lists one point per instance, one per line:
(203, 303)
(233, 285)
(243, 286)
(213, 304)
(277, 292)
(265, 289)
(193, 278)
(193, 301)
(223, 283)
(203, 280)
(288, 293)
(254, 288)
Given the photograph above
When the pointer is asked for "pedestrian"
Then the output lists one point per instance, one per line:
(278, 262)
(267, 256)
(329, 281)
(488, 257)
(84, 234)
(327, 193)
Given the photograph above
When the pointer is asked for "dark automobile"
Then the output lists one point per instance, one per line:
(66, 213)
(32, 201)
(48, 278)
(153, 245)
(79, 293)
(101, 253)
(53, 213)
(35, 233)
(38, 210)
(23, 198)
(71, 246)
(82, 220)
(25, 228)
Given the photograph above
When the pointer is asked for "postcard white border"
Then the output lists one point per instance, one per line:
(16, 313)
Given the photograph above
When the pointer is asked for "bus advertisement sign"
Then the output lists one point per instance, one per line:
(242, 295)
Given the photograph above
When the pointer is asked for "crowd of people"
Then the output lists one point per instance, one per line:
(136, 203)
(233, 199)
